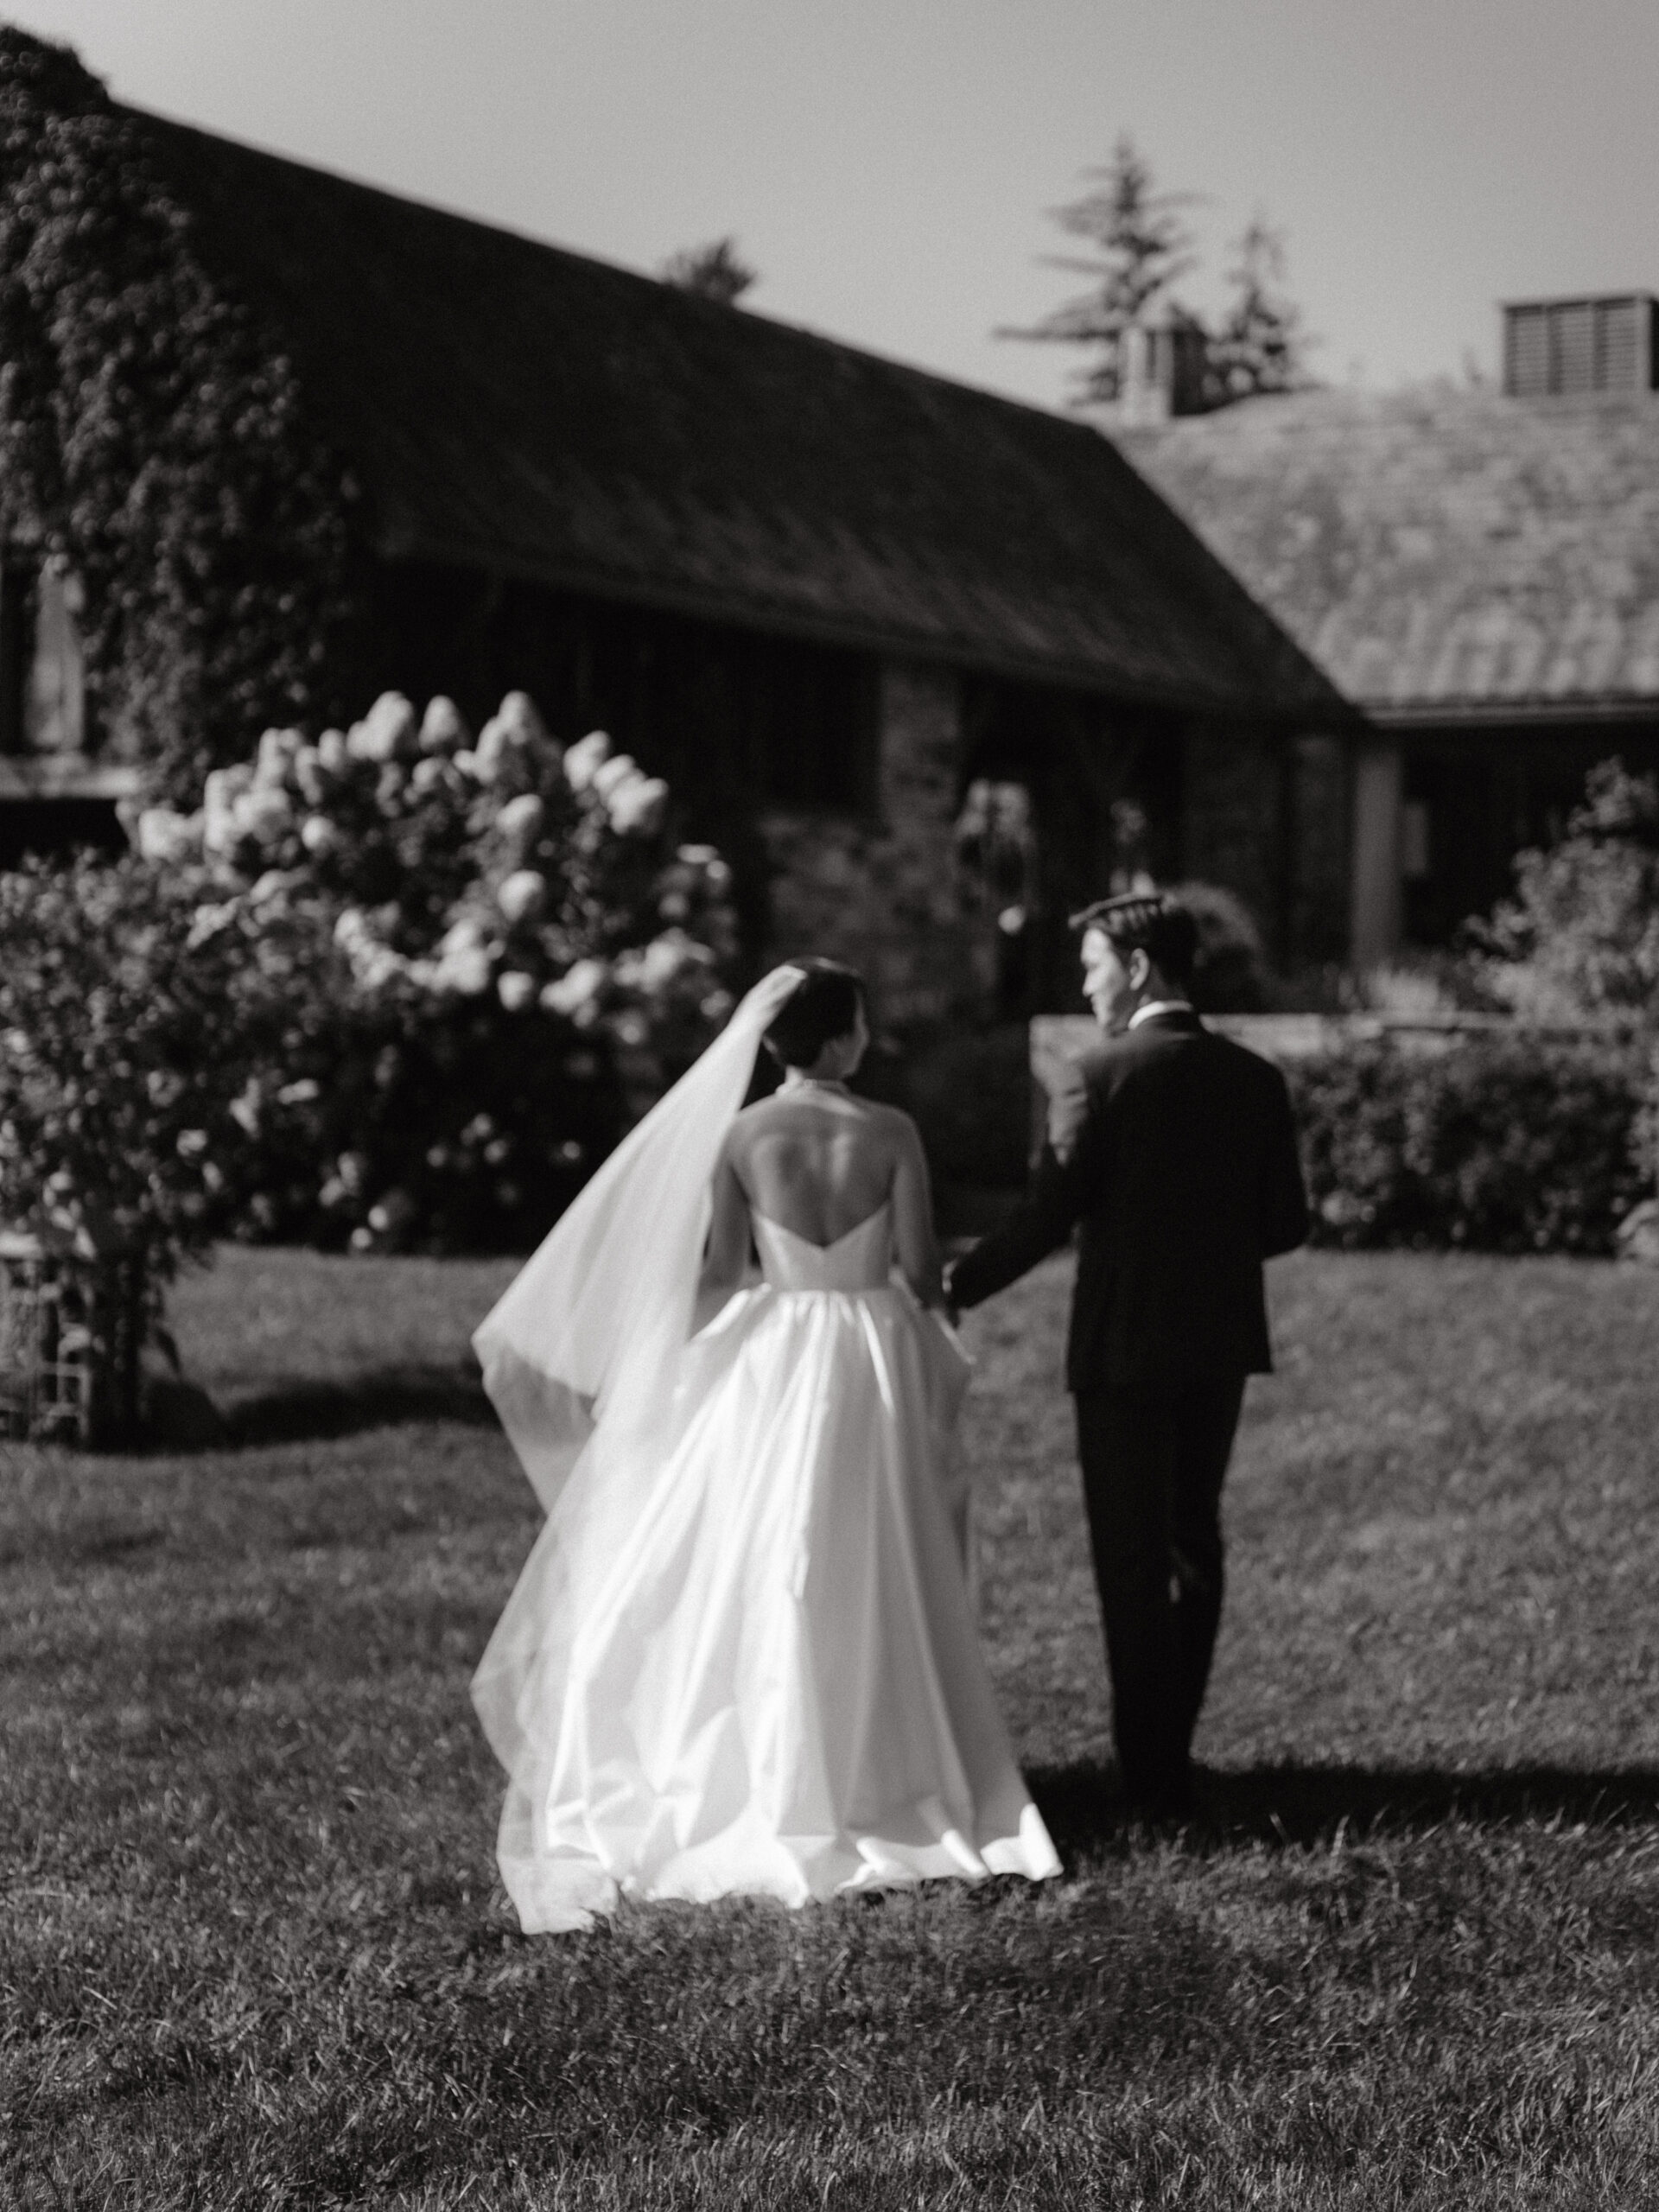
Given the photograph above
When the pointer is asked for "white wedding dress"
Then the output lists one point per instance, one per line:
(741, 1658)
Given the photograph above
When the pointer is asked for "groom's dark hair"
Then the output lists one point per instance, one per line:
(1153, 922)
(824, 1005)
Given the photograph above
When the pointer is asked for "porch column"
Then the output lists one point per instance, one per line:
(1374, 928)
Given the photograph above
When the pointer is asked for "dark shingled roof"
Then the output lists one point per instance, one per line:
(1442, 554)
(520, 409)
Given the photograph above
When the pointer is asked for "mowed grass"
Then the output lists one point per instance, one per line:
(253, 1952)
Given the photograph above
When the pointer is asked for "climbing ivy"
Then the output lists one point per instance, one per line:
(155, 436)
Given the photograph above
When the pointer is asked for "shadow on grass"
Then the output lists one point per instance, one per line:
(1085, 1809)
(392, 1397)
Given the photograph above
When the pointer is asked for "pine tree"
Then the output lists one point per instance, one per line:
(1143, 248)
(717, 271)
(1260, 344)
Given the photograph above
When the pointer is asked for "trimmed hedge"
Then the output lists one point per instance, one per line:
(1519, 1143)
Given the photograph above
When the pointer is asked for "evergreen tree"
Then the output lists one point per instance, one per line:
(1260, 344)
(1143, 248)
(717, 271)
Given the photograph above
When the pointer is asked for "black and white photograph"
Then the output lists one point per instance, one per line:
(828, 1106)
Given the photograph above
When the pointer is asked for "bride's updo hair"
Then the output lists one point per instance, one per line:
(822, 1006)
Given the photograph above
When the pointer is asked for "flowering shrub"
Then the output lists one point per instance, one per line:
(524, 964)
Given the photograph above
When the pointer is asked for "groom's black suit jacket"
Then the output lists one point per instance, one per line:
(1174, 1149)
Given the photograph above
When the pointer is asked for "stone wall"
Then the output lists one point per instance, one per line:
(1322, 814)
(1234, 796)
(1267, 816)
(885, 893)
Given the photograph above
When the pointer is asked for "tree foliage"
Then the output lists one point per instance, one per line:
(155, 436)
(1580, 937)
(1143, 248)
(717, 271)
(1259, 344)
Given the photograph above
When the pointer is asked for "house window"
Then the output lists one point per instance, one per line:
(54, 702)
(1415, 858)
(43, 672)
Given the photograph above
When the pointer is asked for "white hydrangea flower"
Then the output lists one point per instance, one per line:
(585, 758)
(466, 934)
(442, 727)
(387, 731)
(164, 836)
(518, 715)
(613, 771)
(500, 736)
(277, 747)
(466, 971)
(218, 796)
(577, 992)
(310, 777)
(520, 819)
(522, 895)
(664, 957)
(264, 813)
(637, 806)
(275, 883)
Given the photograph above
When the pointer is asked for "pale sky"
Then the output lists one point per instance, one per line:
(886, 163)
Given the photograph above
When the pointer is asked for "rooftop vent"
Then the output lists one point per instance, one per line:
(1602, 343)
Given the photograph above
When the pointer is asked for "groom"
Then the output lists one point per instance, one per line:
(1175, 1150)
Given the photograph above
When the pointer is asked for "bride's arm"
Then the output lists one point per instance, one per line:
(726, 1255)
(912, 1218)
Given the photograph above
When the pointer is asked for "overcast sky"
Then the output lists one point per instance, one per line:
(886, 163)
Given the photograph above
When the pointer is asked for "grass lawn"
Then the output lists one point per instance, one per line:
(253, 1952)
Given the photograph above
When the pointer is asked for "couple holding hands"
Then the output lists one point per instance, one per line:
(742, 1656)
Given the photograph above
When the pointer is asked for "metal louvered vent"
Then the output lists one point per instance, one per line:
(1605, 344)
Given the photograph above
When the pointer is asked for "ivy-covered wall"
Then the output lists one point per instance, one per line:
(154, 436)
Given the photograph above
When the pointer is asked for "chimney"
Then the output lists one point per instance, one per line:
(1161, 370)
(1604, 343)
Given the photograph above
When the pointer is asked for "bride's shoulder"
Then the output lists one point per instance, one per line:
(891, 1123)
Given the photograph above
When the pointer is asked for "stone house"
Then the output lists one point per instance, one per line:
(827, 596)
(1478, 570)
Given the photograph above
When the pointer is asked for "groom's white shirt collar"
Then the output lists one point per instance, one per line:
(1156, 1006)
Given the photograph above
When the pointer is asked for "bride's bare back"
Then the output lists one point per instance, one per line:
(819, 1161)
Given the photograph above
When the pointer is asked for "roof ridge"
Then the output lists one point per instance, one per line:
(690, 301)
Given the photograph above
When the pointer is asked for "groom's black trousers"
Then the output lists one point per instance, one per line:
(1152, 1466)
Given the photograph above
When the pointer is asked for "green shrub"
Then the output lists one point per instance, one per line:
(1506, 1143)
(126, 1035)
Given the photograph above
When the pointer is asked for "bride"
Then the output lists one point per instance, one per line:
(742, 1657)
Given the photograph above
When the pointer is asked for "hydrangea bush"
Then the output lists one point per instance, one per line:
(521, 960)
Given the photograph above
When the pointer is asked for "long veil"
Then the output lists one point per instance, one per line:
(586, 1337)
